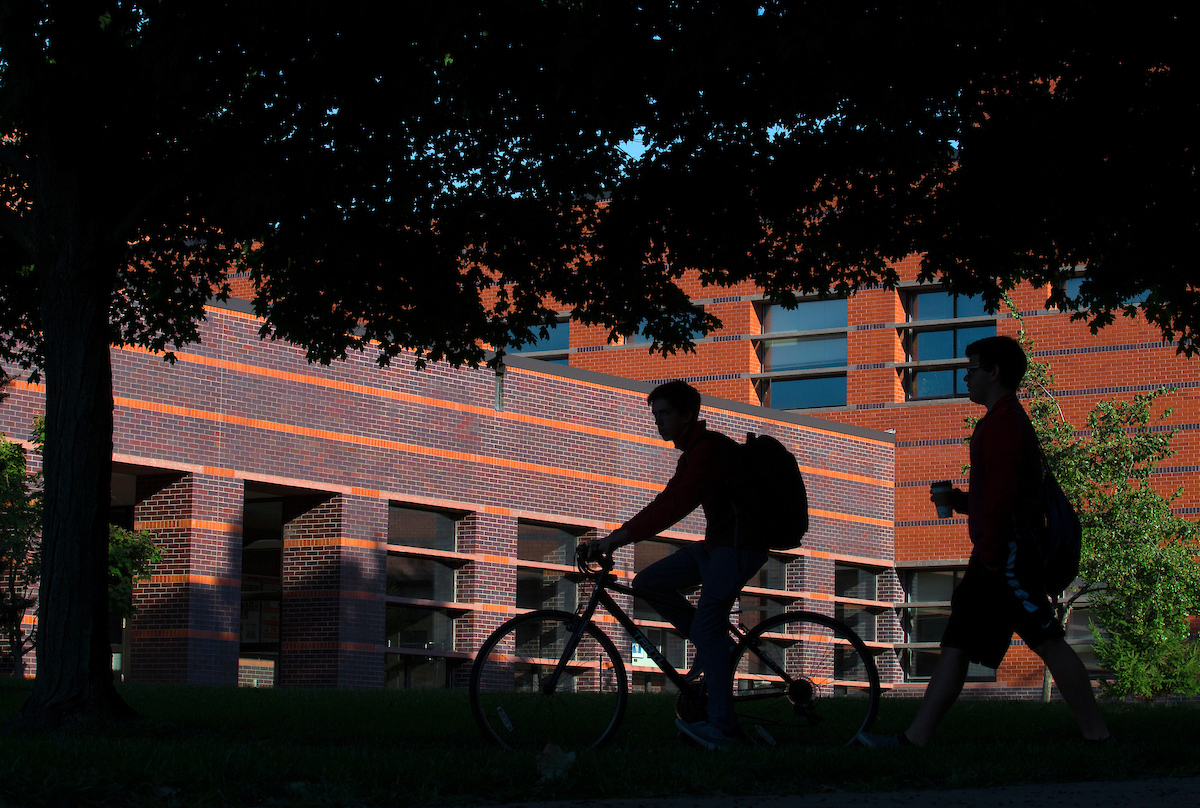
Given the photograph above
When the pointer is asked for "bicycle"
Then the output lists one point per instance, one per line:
(551, 676)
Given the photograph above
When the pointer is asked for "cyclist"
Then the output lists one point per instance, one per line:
(721, 564)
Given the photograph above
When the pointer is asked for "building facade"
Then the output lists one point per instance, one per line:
(358, 526)
(892, 360)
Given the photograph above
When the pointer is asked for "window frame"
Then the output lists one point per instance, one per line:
(911, 328)
(762, 341)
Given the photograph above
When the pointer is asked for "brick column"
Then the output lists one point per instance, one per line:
(331, 621)
(490, 582)
(189, 612)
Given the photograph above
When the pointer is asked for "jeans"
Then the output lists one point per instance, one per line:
(721, 572)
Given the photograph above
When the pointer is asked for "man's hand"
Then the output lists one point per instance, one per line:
(606, 546)
(956, 498)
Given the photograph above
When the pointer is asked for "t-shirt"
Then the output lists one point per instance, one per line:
(1005, 475)
(702, 477)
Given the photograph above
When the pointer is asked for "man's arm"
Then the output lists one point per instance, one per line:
(683, 494)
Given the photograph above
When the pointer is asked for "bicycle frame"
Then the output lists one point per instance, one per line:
(604, 582)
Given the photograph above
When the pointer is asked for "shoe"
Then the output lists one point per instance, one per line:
(705, 733)
(882, 741)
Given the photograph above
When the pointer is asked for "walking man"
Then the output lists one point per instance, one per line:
(1001, 591)
(721, 564)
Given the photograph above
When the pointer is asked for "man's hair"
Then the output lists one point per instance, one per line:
(1004, 353)
(682, 397)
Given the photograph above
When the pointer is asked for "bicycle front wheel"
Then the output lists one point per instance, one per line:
(805, 678)
(547, 678)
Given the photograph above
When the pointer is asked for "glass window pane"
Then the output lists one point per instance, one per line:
(932, 345)
(805, 354)
(933, 384)
(965, 336)
(932, 306)
(545, 589)
(807, 316)
(558, 338)
(932, 585)
(1072, 287)
(859, 620)
(794, 394)
(854, 582)
(415, 627)
(545, 543)
(970, 306)
(412, 527)
(424, 578)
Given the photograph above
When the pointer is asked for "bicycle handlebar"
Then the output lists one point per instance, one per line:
(584, 561)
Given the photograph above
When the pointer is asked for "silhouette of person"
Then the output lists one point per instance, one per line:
(721, 564)
(1001, 591)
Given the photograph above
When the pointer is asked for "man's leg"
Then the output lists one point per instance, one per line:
(664, 578)
(724, 575)
(1075, 685)
(944, 687)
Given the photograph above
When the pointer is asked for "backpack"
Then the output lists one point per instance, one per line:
(1061, 538)
(769, 495)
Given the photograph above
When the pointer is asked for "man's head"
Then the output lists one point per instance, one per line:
(994, 362)
(676, 406)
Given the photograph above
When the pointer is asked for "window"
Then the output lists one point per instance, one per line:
(1080, 638)
(639, 337)
(804, 366)
(420, 609)
(1073, 286)
(667, 640)
(860, 584)
(545, 587)
(940, 347)
(262, 574)
(924, 622)
(756, 608)
(553, 347)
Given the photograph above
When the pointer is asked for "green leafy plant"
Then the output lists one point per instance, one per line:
(131, 555)
(1138, 571)
(20, 548)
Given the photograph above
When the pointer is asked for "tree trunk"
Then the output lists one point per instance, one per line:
(75, 261)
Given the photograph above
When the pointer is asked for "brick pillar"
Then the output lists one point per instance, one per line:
(490, 582)
(815, 575)
(189, 612)
(331, 621)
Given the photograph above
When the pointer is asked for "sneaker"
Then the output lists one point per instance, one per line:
(882, 741)
(705, 733)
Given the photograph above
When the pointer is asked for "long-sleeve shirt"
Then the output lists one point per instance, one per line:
(704, 477)
(1005, 474)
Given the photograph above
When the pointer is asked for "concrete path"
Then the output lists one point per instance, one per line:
(1168, 792)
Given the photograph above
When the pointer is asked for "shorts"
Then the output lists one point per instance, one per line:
(988, 606)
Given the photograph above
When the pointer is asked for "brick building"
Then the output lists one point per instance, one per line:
(355, 526)
(892, 360)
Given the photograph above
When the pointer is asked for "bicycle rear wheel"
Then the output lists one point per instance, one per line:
(519, 702)
(803, 677)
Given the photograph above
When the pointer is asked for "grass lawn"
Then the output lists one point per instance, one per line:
(247, 747)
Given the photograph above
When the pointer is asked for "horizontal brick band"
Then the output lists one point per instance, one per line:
(336, 541)
(187, 524)
(184, 633)
(207, 580)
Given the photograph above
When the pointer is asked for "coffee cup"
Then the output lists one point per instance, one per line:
(940, 492)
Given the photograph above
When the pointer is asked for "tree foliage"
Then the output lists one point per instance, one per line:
(20, 549)
(427, 177)
(1139, 572)
(131, 556)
